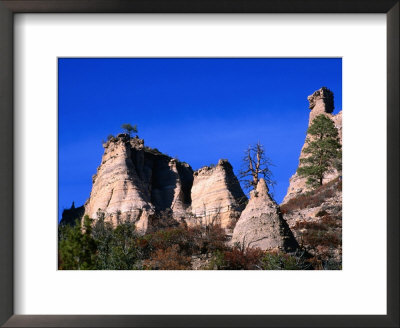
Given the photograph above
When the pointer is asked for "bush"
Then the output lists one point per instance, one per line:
(283, 261)
(116, 248)
(191, 240)
(169, 259)
(237, 259)
(166, 238)
(325, 264)
(209, 239)
(77, 247)
(326, 232)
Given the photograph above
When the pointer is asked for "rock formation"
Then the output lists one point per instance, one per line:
(70, 215)
(262, 225)
(140, 184)
(320, 102)
(216, 196)
(134, 181)
(316, 221)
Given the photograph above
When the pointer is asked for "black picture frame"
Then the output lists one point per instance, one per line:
(10, 7)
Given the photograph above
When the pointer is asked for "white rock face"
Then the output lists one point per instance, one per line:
(133, 182)
(117, 190)
(216, 195)
(261, 224)
(321, 102)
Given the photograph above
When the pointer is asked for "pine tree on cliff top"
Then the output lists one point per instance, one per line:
(323, 151)
(129, 128)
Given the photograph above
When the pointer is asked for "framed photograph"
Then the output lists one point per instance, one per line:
(199, 164)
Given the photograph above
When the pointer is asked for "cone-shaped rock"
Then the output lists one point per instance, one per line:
(118, 191)
(261, 224)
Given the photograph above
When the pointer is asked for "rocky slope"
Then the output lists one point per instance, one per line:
(316, 221)
(261, 224)
(320, 102)
(216, 196)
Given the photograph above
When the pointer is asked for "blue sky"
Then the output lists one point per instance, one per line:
(198, 110)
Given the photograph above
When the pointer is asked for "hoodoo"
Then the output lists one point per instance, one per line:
(261, 224)
(320, 102)
(216, 195)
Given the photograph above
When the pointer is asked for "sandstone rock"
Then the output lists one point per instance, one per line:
(141, 184)
(337, 119)
(133, 182)
(262, 225)
(178, 204)
(321, 102)
(117, 188)
(216, 195)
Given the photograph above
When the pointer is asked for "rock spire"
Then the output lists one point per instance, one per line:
(320, 102)
(261, 224)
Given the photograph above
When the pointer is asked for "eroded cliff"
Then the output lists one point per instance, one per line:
(217, 196)
(137, 183)
(133, 182)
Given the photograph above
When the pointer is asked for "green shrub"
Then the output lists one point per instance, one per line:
(77, 248)
(283, 261)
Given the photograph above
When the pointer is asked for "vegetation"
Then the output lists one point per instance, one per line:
(322, 239)
(128, 128)
(100, 246)
(323, 151)
(283, 261)
(321, 233)
(77, 246)
(313, 198)
(256, 165)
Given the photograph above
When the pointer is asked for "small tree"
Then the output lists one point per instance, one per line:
(323, 151)
(77, 248)
(256, 165)
(129, 128)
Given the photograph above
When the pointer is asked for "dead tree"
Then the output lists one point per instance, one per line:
(256, 165)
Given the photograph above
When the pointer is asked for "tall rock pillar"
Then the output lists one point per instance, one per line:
(320, 102)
